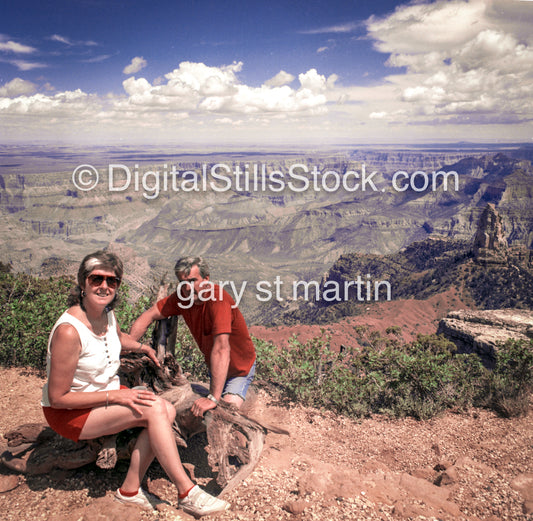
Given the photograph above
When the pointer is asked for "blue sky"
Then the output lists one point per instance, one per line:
(312, 72)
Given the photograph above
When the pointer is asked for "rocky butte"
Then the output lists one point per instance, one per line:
(484, 331)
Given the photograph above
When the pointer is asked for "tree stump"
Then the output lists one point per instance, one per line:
(234, 445)
(164, 333)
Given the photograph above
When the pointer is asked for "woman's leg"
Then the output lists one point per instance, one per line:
(142, 456)
(156, 440)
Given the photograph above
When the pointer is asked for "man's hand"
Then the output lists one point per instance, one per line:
(201, 406)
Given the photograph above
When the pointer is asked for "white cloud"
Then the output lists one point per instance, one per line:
(196, 87)
(494, 49)
(23, 65)
(204, 80)
(229, 121)
(134, 87)
(15, 47)
(511, 17)
(61, 39)
(348, 27)
(136, 65)
(312, 80)
(280, 79)
(97, 59)
(459, 65)
(322, 49)
(441, 25)
(75, 104)
(250, 100)
(418, 62)
(67, 41)
(17, 87)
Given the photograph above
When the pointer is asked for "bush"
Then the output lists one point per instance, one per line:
(126, 312)
(188, 355)
(509, 385)
(266, 352)
(31, 306)
(420, 379)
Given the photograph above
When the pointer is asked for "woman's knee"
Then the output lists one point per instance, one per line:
(171, 411)
(160, 409)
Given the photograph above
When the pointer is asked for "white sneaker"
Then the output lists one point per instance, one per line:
(199, 503)
(142, 499)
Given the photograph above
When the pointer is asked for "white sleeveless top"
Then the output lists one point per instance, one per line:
(99, 357)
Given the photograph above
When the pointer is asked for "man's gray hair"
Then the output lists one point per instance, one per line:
(184, 265)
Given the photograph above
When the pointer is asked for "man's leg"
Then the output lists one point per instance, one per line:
(235, 388)
(233, 399)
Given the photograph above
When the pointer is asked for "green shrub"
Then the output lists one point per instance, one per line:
(420, 379)
(188, 355)
(423, 378)
(266, 353)
(127, 312)
(30, 308)
(509, 385)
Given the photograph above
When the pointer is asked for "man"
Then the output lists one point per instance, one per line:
(218, 327)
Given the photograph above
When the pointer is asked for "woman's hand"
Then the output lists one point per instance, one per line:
(150, 353)
(132, 398)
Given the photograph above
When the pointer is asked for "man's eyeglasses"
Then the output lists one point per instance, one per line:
(97, 280)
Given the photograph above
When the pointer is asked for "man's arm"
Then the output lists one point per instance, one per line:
(219, 364)
(139, 327)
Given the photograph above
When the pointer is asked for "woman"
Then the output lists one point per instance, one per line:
(83, 399)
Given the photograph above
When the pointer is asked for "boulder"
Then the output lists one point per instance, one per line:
(483, 332)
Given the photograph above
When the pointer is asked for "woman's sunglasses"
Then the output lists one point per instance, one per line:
(97, 280)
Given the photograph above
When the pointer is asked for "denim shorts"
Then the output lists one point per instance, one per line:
(239, 384)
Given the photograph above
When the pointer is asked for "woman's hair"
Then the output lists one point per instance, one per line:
(184, 265)
(97, 260)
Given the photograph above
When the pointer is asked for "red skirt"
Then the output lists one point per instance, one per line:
(68, 422)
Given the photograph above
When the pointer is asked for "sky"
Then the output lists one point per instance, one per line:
(277, 72)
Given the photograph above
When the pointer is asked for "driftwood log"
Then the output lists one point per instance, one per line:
(234, 445)
(164, 332)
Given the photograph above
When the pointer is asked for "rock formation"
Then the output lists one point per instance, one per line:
(483, 332)
(490, 245)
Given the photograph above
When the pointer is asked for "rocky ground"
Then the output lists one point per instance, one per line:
(469, 466)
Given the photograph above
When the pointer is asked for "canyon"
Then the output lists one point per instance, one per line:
(290, 230)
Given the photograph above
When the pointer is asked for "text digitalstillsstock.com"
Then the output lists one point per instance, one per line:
(361, 289)
(256, 177)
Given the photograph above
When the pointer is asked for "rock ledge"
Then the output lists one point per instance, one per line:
(482, 332)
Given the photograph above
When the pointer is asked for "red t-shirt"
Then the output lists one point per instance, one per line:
(213, 317)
